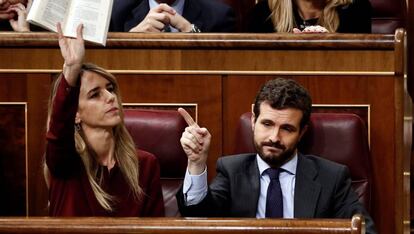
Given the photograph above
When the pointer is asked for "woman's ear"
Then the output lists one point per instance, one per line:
(77, 118)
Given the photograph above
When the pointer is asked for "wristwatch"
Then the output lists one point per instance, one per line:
(194, 29)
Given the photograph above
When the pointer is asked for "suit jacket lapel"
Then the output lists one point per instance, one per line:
(192, 12)
(248, 178)
(306, 189)
(138, 14)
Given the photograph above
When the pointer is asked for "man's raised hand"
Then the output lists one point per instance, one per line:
(196, 144)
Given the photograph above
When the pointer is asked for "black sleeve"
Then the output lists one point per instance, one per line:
(215, 204)
(355, 18)
(228, 23)
(216, 17)
(259, 20)
(347, 203)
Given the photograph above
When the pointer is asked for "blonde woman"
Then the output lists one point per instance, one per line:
(343, 16)
(93, 168)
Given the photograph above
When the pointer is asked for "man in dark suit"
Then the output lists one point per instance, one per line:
(278, 181)
(172, 16)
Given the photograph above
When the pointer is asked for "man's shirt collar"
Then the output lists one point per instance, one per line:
(289, 166)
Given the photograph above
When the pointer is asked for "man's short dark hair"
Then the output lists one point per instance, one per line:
(283, 93)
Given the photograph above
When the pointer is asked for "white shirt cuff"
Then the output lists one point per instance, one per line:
(195, 187)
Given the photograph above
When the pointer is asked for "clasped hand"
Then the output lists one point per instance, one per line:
(161, 16)
(311, 29)
(18, 15)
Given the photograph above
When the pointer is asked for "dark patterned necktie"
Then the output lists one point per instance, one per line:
(274, 199)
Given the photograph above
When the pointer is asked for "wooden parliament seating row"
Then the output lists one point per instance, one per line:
(179, 226)
(215, 77)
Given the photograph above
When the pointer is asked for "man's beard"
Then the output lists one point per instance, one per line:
(275, 160)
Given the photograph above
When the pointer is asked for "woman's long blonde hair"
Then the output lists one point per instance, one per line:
(125, 151)
(283, 18)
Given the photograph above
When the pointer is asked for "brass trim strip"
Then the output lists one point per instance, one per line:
(341, 105)
(368, 106)
(195, 105)
(227, 72)
(13, 103)
(26, 138)
(217, 72)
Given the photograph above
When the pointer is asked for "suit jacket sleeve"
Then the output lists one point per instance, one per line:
(210, 15)
(347, 203)
(215, 204)
(259, 20)
(355, 18)
(227, 22)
